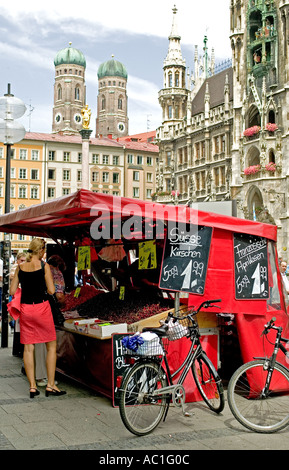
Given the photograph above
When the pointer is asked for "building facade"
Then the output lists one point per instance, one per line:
(227, 138)
(26, 180)
(195, 136)
(259, 40)
(48, 166)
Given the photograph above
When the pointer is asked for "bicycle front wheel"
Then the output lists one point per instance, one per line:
(209, 383)
(251, 405)
(141, 410)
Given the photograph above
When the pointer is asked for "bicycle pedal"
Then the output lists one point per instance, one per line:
(187, 414)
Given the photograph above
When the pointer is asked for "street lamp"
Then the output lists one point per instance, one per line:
(10, 132)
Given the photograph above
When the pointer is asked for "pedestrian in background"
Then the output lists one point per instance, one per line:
(283, 269)
(17, 349)
(57, 267)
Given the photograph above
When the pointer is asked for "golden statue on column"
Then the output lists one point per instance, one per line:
(86, 113)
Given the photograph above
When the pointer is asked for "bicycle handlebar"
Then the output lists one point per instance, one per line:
(268, 326)
(208, 303)
(192, 311)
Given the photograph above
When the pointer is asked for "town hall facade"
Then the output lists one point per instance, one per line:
(224, 133)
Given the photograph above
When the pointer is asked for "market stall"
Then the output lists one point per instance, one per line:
(138, 260)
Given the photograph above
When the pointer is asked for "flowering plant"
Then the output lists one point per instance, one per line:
(251, 170)
(251, 131)
(271, 167)
(175, 193)
(271, 127)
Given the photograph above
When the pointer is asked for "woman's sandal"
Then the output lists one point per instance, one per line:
(33, 392)
(54, 393)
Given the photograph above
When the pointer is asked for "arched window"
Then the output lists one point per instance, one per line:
(170, 79)
(59, 93)
(271, 116)
(253, 117)
(177, 79)
(119, 104)
(253, 157)
(103, 103)
(271, 156)
(77, 93)
(254, 202)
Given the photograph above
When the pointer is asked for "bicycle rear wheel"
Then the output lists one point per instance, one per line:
(140, 410)
(259, 413)
(209, 383)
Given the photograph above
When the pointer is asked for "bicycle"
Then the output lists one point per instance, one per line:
(258, 390)
(147, 388)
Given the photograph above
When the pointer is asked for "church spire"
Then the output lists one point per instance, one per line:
(174, 56)
(174, 32)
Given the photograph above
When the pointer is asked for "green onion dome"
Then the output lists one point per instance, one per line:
(112, 68)
(69, 55)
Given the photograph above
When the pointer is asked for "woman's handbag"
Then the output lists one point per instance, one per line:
(58, 317)
(56, 312)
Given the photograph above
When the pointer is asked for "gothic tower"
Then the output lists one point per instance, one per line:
(174, 95)
(112, 116)
(69, 90)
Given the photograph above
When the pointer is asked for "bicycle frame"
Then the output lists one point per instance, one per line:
(270, 362)
(185, 366)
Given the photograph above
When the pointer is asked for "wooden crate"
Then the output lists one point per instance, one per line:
(151, 321)
(205, 320)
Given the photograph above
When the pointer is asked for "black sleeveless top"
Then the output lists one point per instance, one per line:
(33, 286)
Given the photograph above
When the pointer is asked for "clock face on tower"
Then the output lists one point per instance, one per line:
(77, 118)
(121, 127)
(58, 117)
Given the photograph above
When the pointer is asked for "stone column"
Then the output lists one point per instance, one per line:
(85, 134)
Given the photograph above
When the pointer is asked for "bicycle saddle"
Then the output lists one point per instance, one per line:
(158, 330)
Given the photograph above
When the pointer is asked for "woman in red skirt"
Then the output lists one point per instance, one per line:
(36, 320)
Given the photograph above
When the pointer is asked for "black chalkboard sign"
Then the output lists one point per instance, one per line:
(185, 258)
(119, 366)
(251, 267)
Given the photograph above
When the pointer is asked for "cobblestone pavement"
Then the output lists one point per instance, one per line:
(84, 420)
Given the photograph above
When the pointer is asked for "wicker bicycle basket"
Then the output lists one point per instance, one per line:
(178, 329)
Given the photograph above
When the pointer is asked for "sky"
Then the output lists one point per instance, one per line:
(135, 32)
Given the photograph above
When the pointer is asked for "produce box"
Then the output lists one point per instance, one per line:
(69, 324)
(106, 329)
(82, 326)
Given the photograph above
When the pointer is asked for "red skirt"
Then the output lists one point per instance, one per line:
(36, 323)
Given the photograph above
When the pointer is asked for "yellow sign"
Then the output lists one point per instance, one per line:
(83, 262)
(147, 255)
(121, 292)
(77, 292)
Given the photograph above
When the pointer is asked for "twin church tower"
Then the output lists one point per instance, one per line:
(70, 95)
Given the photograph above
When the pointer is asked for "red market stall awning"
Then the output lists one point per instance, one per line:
(63, 217)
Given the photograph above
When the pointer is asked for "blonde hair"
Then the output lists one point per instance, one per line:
(35, 246)
(20, 254)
